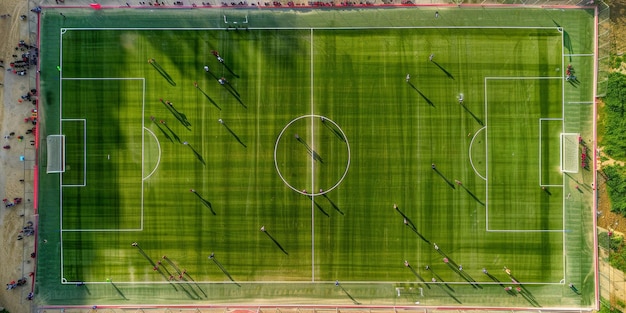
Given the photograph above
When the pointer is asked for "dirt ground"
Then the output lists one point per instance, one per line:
(606, 218)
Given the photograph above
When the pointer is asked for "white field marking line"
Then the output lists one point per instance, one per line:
(594, 171)
(103, 78)
(61, 132)
(578, 55)
(102, 230)
(312, 166)
(580, 102)
(541, 119)
(315, 28)
(521, 77)
(563, 70)
(487, 162)
(292, 282)
(143, 143)
(280, 135)
(470, 152)
(84, 151)
(486, 158)
(158, 159)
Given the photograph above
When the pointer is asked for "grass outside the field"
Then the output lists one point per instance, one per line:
(139, 174)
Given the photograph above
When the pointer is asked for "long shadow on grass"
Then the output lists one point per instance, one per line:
(203, 201)
(443, 177)
(161, 71)
(332, 204)
(319, 207)
(118, 290)
(212, 258)
(421, 94)
(266, 232)
(406, 263)
(152, 118)
(207, 96)
(479, 121)
(232, 132)
(443, 69)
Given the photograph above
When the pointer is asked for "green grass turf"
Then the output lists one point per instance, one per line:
(138, 173)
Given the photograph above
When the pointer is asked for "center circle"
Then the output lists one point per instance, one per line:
(312, 155)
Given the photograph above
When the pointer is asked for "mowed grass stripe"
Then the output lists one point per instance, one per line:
(395, 142)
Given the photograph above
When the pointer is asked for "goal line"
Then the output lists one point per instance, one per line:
(56, 154)
(569, 152)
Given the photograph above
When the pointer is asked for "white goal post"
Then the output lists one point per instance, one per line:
(56, 154)
(569, 152)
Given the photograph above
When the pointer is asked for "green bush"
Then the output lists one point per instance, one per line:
(616, 181)
(614, 132)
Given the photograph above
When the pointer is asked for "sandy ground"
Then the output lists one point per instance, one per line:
(15, 254)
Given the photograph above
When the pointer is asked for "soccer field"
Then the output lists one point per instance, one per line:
(378, 156)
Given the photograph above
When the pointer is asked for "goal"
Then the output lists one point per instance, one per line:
(56, 154)
(569, 152)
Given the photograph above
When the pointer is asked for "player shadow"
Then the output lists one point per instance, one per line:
(480, 122)
(152, 118)
(83, 286)
(417, 275)
(171, 131)
(319, 207)
(234, 135)
(421, 94)
(182, 118)
(205, 202)
(310, 150)
(233, 92)
(471, 194)
(195, 152)
(118, 290)
(195, 283)
(439, 279)
(444, 70)
(161, 71)
(409, 223)
(332, 204)
(333, 129)
(450, 294)
(155, 267)
(573, 81)
(567, 40)
(347, 293)
(221, 267)
(275, 242)
(444, 178)
(230, 70)
(464, 275)
(207, 96)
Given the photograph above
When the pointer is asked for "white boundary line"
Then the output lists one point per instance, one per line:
(314, 28)
(61, 186)
(84, 151)
(541, 119)
(581, 102)
(294, 282)
(579, 55)
(312, 166)
(486, 81)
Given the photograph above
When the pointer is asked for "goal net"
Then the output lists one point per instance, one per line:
(569, 152)
(56, 153)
